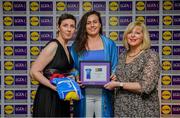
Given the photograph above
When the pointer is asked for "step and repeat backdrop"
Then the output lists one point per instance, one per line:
(27, 25)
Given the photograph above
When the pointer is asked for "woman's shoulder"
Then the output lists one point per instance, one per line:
(149, 53)
(108, 40)
(52, 43)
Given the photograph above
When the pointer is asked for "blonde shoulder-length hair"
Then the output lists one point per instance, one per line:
(146, 40)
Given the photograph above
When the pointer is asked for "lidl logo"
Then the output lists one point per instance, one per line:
(167, 50)
(9, 80)
(140, 18)
(60, 6)
(8, 21)
(113, 20)
(34, 36)
(7, 6)
(8, 109)
(34, 21)
(34, 6)
(167, 20)
(166, 80)
(35, 51)
(8, 95)
(87, 6)
(167, 5)
(166, 65)
(167, 35)
(140, 5)
(113, 35)
(166, 95)
(8, 50)
(8, 65)
(8, 36)
(113, 6)
(166, 109)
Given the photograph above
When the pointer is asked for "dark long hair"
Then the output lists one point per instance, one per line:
(81, 37)
(64, 17)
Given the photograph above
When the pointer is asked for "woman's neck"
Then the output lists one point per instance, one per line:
(93, 38)
(62, 41)
(134, 51)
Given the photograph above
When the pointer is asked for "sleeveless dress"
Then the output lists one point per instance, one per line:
(47, 102)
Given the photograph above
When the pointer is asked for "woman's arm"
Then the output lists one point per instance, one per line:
(149, 80)
(45, 57)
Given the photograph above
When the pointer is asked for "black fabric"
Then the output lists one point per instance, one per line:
(47, 102)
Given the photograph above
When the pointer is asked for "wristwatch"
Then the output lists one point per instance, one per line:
(121, 85)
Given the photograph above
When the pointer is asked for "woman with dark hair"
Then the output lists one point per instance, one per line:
(91, 45)
(54, 58)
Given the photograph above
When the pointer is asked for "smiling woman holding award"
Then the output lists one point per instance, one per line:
(94, 54)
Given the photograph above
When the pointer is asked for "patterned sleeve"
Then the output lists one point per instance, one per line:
(151, 73)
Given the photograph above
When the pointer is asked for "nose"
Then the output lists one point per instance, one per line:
(132, 34)
(92, 24)
(69, 29)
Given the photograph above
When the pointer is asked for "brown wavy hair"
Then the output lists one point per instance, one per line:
(81, 37)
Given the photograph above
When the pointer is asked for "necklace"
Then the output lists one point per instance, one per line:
(134, 54)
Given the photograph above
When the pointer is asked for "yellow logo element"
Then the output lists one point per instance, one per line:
(34, 6)
(35, 50)
(9, 80)
(166, 50)
(166, 65)
(34, 21)
(87, 6)
(113, 20)
(8, 109)
(9, 95)
(34, 82)
(7, 6)
(166, 94)
(34, 36)
(33, 93)
(166, 109)
(167, 5)
(166, 80)
(8, 36)
(140, 5)
(113, 6)
(8, 21)
(140, 18)
(113, 35)
(8, 50)
(31, 63)
(60, 6)
(72, 96)
(31, 109)
(167, 20)
(8, 65)
(167, 35)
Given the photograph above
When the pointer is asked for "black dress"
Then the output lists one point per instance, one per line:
(47, 102)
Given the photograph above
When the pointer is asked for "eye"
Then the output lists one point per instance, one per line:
(72, 26)
(88, 23)
(65, 25)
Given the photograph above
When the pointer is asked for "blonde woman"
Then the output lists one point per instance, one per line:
(137, 73)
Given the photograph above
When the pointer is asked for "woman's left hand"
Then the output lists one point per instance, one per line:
(111, 85)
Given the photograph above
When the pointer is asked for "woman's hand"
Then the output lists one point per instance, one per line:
(111, 85)
(113, 77)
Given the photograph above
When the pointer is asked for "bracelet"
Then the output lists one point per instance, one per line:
(121, 85)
